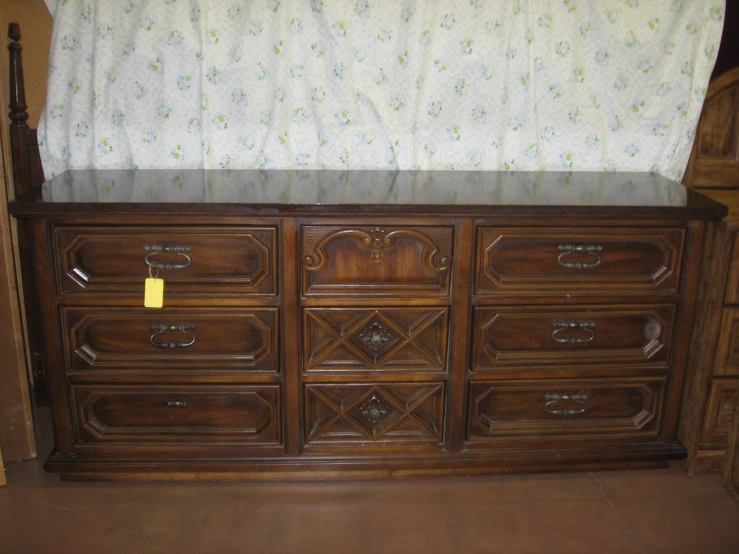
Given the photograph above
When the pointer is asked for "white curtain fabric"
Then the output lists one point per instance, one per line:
(574, 85)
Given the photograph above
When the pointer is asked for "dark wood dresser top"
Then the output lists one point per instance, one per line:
(288, 192)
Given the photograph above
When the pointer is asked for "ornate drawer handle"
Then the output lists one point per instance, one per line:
(177, 403)
(587, 326)
(553, 398)
(160, 328)
(591, 249)
(156, 249)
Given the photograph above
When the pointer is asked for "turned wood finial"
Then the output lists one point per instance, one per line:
(14, 32)
(18, 114)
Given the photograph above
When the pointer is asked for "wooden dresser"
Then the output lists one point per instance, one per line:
(713, 389)
(364, 324)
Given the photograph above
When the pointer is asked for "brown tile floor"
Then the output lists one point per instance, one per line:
(621, 512)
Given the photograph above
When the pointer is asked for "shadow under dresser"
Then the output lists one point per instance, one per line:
(326, 324)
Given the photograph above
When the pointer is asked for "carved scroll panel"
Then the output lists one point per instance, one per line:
(376, 261)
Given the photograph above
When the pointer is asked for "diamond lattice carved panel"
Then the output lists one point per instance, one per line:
(374, 414)
(388, 339)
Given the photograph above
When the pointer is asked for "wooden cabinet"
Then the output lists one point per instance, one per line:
(711, 392)
(321, 341)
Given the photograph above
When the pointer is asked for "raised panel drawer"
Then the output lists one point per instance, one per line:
(113, 261)
(520, 261)
(375, 340)
(732, 285)
(100, 339)
(374, 416)
(565, 409)
(169, 414)
(727, 357)
(514, 338)
(376, 261)
(722, 400)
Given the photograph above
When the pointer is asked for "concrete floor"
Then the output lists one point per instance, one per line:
(621, 512)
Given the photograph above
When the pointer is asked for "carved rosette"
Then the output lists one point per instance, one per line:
(375, 336)
(376, 241)
(374, 410)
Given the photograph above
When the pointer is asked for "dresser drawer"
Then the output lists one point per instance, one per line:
(722, 399)
(520, 261)
(586, 409)
(100, 339)
(169, 414)
(115, 261)
(374, 416)
(376, 260)
(376, 340)
(512, 338)
(727, 356)
(732, 285)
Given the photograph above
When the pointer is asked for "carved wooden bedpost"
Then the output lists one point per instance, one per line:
(27, 173)
(18, 114)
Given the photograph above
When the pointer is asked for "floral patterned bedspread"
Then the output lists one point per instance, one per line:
(614, 85)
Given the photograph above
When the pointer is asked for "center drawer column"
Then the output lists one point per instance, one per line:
(375, 309)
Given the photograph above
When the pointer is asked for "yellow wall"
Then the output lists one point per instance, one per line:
(36, 25)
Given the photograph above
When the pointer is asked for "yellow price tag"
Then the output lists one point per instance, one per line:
(153, 293)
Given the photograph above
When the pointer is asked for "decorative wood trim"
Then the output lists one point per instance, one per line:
(693, 254)
(460, 334)
(291, 347)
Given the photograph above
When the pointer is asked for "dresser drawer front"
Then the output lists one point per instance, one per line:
(376, 261)
(99, 339)
(511, 338)
(176, 414)
(519, 261)
(381, 340)
(727, 358)
(565, 409)
(374, 416)
(722, 400)
(237, 261)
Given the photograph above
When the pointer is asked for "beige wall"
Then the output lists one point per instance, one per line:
(16, 420)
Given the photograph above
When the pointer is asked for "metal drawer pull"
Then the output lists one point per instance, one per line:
(161, 328)
(177, 403)
(156, 249)
(591, 249)
(588, 327)
(553, 398)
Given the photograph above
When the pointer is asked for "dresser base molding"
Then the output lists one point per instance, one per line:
(313, 468)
